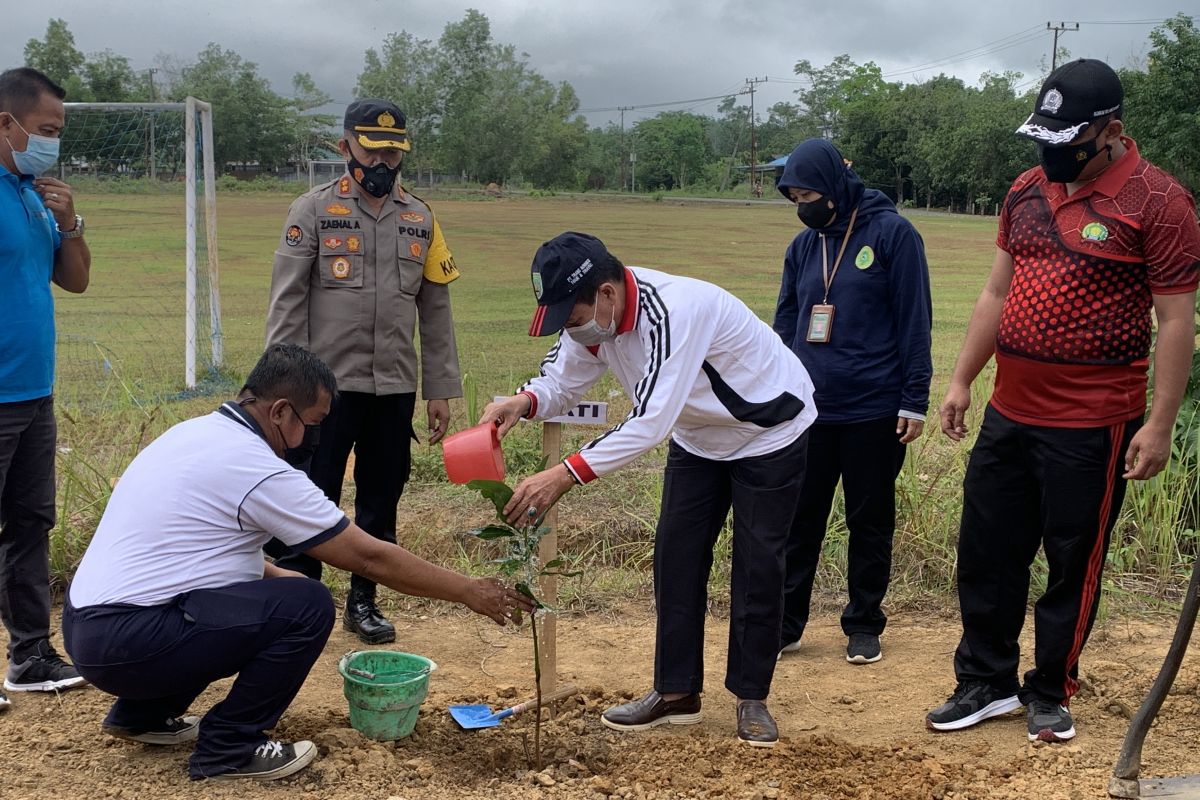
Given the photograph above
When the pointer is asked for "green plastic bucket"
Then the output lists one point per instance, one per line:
(385, 689)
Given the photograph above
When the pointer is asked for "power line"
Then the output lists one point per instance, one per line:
(661, 105)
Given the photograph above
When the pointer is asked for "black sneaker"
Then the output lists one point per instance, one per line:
(273, 760)
(42, 673)
(173, 731)
(863, 648)
(1049, 721)
(971, 703)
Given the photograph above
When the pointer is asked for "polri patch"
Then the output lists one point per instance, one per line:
(340, 268)
(865, 257)
(1094, 232)
(337, 208)
(414, 248)
(294, 236)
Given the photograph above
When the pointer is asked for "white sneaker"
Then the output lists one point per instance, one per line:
(788, 648)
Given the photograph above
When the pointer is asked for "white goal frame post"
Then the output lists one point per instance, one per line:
(194, 112)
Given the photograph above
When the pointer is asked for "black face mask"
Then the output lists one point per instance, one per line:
(1063, 164)
(816, 213)
(301, 453)
(376, 181)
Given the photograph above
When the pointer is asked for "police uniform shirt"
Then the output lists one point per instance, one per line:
(352, 288)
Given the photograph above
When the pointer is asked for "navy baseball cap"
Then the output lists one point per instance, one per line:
(559, 267)
(377, 124)
(1074, 96)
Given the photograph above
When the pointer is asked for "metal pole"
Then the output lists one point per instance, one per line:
(153, 156)
(189, 321)
(1061, 27)
(547, 552)
(210, 224)
(752, 82)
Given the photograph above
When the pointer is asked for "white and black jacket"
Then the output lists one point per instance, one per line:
(698, 365)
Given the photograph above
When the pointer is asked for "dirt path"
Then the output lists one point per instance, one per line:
(848, 731)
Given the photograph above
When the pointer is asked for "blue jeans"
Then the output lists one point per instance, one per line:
(158, 659)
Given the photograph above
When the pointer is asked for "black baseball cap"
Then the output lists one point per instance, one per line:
(1074, 96)
(559, 267)
(377, 124)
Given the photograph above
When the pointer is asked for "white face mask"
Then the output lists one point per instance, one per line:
(591, 334)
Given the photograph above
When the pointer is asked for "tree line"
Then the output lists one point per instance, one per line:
(479, 112)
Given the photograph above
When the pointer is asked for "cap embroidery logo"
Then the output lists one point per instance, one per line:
(386, 120)
(1053, 101)
(580, 271)
(537, 285)
(1094, 232)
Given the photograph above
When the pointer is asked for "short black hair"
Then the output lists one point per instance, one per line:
(289, 372)
(608, 269)
(21, 89)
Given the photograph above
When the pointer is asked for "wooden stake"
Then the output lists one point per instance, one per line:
(547, 552)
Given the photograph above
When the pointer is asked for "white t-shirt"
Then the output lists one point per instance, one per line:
(194, 510)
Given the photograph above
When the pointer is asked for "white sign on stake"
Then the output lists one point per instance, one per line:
(588, 412)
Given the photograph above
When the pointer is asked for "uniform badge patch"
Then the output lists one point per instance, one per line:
(337, 208)
(294, 236)
(537, 285)
(344, 185)
(340, 268)
(1094, 232)
(1053, 101)
(415, 249)
(412, 216)
(358, 174)
(354, 244)
(332, 242)
(386, 120)
(865, 257)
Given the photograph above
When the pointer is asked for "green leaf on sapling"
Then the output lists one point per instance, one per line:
(498, 492)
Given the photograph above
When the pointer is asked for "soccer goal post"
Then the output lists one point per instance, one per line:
(135, 165)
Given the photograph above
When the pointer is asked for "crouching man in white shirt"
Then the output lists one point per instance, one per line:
(174, 594)
(701, 368)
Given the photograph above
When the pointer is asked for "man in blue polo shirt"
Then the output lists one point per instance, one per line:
(41, 240)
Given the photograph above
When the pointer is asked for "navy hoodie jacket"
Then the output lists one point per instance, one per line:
(877, 361)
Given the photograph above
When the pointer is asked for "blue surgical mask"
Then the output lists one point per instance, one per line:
(39, 156)
(591, 334)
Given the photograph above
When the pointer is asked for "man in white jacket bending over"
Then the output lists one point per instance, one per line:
(700, 367)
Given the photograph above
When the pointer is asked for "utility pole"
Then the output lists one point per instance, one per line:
(1061, 27)
(623, 109)
(751, 83)
(153, 99)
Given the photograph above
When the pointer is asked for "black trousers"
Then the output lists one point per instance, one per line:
(28, 435)
(378, 428)
(697, 495)
(866, 457)
(158, 659)
(1026, 485)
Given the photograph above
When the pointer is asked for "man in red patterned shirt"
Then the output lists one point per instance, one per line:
(1089, 242)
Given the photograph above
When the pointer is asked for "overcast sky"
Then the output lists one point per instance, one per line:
(617, 52)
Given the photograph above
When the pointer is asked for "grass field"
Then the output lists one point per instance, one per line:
(132, 316)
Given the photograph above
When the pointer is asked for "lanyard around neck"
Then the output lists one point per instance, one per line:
(838, 261)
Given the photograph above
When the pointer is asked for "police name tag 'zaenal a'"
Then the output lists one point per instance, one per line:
(586, 413)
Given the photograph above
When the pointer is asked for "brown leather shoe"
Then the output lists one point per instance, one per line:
(653, 710)
(756, 727)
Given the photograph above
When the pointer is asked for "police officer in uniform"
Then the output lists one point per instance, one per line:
(360, 265)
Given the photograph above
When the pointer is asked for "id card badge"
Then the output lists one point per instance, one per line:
(820, 324)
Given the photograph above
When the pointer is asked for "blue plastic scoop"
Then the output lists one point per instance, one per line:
(471, 717)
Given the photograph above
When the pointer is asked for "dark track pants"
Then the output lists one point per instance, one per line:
(378, 428)
(28, 438)
(866, 457)
(697, 495)
(1026, 486)
(158, 659)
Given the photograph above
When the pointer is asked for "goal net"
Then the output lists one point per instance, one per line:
(149, 326)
